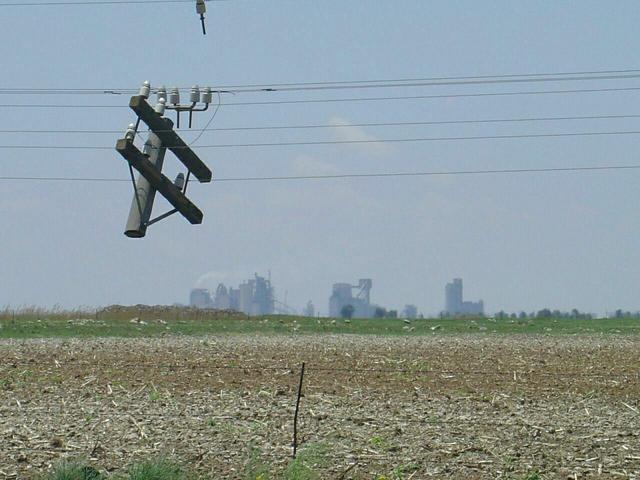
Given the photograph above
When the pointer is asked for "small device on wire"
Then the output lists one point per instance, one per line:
(201, 9)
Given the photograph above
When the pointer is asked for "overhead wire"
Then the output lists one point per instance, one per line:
(372, 124)
(339, 142)
(425, 97)
(350, 99)
(416, 139)
(439, 78)
(97, 3)
(355, 84)
(433, 83)
(619, 74)
(594, 168)
(215, 112)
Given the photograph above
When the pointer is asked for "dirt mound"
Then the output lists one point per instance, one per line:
(174, 312)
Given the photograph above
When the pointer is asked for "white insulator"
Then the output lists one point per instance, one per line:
(207, 95)
(161, 93)
(160, 106)
(194, 96)
(179, 181)
(174, 96)
(130, 134)
(201, 8)
(145, 90)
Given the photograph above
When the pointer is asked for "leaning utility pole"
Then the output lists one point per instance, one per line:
(144, 195)
(149, 163)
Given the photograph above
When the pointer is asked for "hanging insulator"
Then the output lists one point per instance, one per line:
(160, 106)
(179, 181)
(145, 90)
(194, 96)
(162, 93)
(201, 9)
(207, 95)
(130, 134)
(174, 96)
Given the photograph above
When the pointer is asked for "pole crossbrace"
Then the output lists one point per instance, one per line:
(135, 190)
(161, 217)
(149, 164)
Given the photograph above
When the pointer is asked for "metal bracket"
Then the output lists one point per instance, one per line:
(186, 108)
(186, 182)
(160, 217)
(135, 190)
(170, 212)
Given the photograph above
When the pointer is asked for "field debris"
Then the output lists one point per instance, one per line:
(490, 407)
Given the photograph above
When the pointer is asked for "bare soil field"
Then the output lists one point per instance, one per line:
(486, 407)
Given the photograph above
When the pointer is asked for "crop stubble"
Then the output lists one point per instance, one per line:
(422, 407)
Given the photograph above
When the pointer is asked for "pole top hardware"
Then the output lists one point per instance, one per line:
(172, 101)
(170, 139)
(149, 162)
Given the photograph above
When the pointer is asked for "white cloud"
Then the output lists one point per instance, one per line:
(211, 279)
(345, 131)
(307, 165)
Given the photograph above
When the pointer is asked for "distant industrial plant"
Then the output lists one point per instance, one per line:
(256, 297)
(253, 297)
(454, 304)
(360, 304)
(343, 302)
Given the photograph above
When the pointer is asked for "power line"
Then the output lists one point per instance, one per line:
(424, 97)
(341, 84)
(421, 139)
(350, 99)
(339, 142)
(204, 129)
(354, 86)
(440, 78)
(319, 126)
(97, 2)
(595, 168)
(40, 105)
(436, 83)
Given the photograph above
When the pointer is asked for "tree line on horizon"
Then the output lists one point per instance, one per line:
(348, 310)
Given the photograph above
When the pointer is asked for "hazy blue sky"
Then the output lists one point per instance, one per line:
(560, 240)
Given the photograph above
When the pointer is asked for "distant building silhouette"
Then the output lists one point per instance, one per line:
(410, 311)
(342, 296)
(309, 310)
(225, 299)
(454, 303)
(200, 298)
(253, 297)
